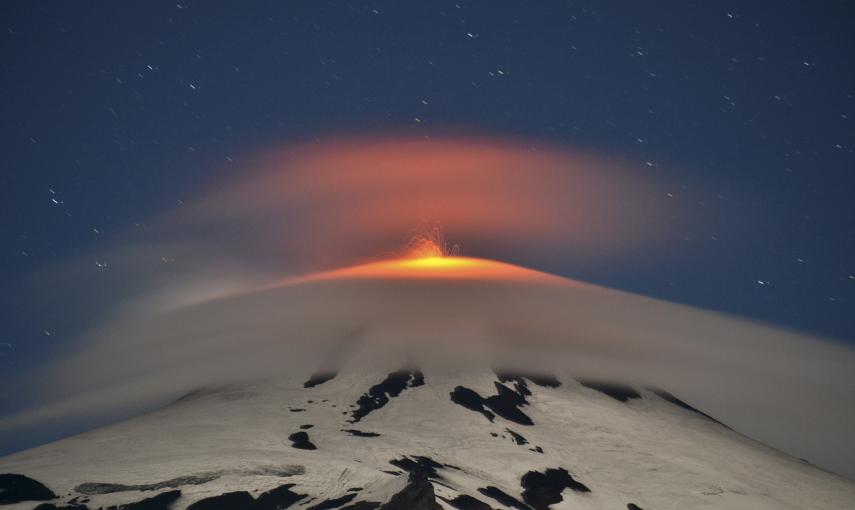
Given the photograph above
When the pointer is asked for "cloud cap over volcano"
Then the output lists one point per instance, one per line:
(339, 202)
(226, 287)
(767, 382)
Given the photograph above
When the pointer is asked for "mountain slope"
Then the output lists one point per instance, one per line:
(405, 438)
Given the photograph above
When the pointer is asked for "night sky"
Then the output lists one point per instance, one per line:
(112, 112)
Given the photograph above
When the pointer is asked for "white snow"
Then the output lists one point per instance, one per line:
(645, 451)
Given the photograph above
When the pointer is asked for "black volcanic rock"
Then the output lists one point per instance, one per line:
(360, 433)
(319, 378)
(301, 440)
(93, 488)
(237, 500)
(506, 403)
(379, 394)
(619, 392)
(467, 502)
(362, 505)
(679, 403)
(277, 499)
(543, 380)
(470, 399)
(333, 503)
(162, 501)
(503, 498)
(15, 488)
(544, 489)
(518, 438)
(51, 506)
(418, 465)
(417, 495)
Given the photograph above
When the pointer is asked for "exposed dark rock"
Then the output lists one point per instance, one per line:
(15, 488)
(319, 378)
(518, 439)
(301, 440)
(333, 503)
(417, 495)
(92, 488)
(544, 489)
(543, 380)
(379, 394)
(506, 403)
(677, 402)
(296, 410)
(520, 386)
(503, 498)
(546, 381)
(470, 399)
(362, 505)
(418, 465)
(355, 489)
(536, 449)
(162, 501)
(277, 499)
(281, 471)
(467, 502)
(619, 392)
(70, 506)
(306, 427)
(238, 500)
(633, 506)
(360, 433)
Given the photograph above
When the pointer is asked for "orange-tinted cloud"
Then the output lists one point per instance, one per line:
(345, 201)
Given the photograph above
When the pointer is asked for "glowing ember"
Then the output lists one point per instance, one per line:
(431, 244)
(429, 256)
(438, 261)
(435, 268)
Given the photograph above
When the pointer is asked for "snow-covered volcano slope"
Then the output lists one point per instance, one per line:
(376, 387)
(777, 386)
(405, 438)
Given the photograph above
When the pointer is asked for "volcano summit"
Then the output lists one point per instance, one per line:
(431, 383)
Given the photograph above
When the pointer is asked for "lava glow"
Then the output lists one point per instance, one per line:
(332, 204)
(431, 244)
(440, 268)
(436, 262)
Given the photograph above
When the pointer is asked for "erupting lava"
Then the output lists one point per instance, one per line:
(435, 267)
(430, 257)
(431, 244)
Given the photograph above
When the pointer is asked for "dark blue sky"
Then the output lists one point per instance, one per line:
(112, 112)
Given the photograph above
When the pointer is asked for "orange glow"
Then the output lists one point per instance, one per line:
(435, 267)
(336, 202)
(437, 261)
(426, 251)
(430, 244)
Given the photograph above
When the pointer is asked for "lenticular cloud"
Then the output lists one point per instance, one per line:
(240, 283)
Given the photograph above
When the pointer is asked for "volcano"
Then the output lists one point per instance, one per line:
(385, 419)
